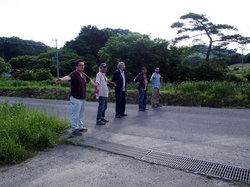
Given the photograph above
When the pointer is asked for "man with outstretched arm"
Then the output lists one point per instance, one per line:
(78, 80)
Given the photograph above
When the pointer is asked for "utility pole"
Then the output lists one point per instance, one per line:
(242, 54)
(57, 63)
(242, 67)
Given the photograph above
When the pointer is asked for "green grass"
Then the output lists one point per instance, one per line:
(203, 93)
(208, 175)
(202, 87)
(213, 94)
(11, 84)
(23, 132)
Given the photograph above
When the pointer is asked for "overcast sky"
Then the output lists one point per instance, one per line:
(45, 20)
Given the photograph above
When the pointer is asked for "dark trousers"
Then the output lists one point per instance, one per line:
(120, 102)
(142, 99)
(103, 103)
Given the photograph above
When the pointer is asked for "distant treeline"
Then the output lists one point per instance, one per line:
(95, 45)
(14, 46)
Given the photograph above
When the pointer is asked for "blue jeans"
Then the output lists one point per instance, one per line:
(120, 102)
(103, 103)
(142, 99)
(77, 110)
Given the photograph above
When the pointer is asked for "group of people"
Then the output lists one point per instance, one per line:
(79, 79)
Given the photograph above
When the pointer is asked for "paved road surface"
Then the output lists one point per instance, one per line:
(68, 165)
(217, 135)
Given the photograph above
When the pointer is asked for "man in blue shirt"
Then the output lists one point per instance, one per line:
(156, 84)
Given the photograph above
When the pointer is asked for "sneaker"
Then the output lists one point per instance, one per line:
(84, 129)
(146, 109)
(105, 121)
(100, 123)
(124, 115)
(77, 133)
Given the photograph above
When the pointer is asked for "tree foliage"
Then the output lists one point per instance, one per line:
(134, 49)
(89, 41)
(29, 75)
(194, 26)
(25, 75)
(138, 50)
(22, 62)
(43, 74)
(14, 46)
(95, 45)
(4, 66)
(67, 60)
(47, 61)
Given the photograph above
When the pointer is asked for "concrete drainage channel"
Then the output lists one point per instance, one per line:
(165, 159)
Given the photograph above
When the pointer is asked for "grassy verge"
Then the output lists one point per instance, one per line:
(211, 94)
(23, 132)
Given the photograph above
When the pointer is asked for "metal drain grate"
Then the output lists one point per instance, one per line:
(179, 162)
(231, 172)
(170, 160)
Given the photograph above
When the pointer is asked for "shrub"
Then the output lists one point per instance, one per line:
(208, 71)
(24, 75)
(4, 66)
(231, 77)
(247, 74)
(27, 75)
(43, 74)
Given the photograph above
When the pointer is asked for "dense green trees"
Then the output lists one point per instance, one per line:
(14, 46)
(138, 50)
(89, 41)
(29, 75)
(4, 66)
(247, 58)
(22, 62)
(134, 49)
(95, 45)
(46, 61)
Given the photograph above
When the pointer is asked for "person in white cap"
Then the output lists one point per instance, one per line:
(102, 96)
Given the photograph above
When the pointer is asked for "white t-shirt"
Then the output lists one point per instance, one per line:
(101, 79)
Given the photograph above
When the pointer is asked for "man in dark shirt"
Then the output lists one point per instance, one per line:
(120, 79)
(142, 79)
(78, 81)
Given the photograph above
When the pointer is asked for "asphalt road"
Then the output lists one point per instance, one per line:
(68, 165)
(211, 134)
